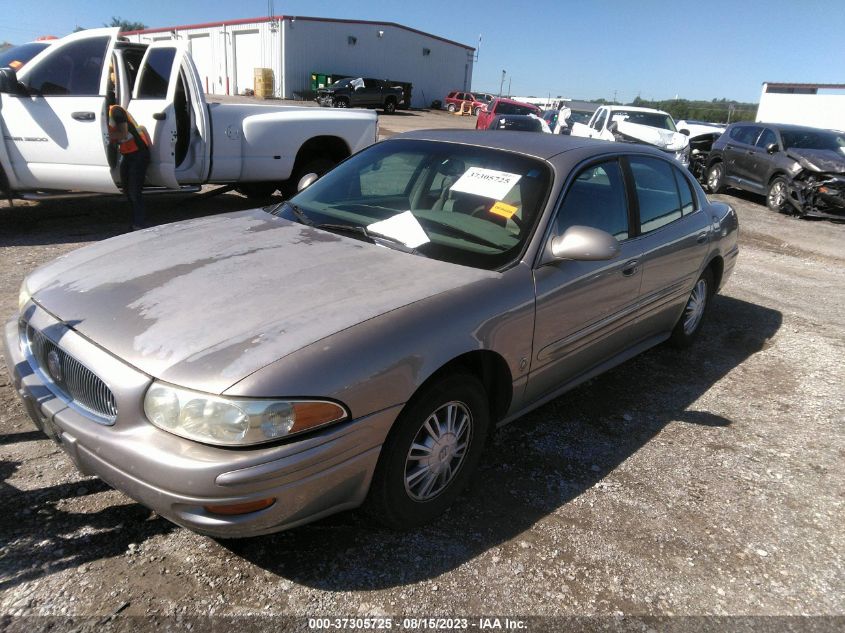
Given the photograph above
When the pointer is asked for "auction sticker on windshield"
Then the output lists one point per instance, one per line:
(486, 182)
(504, 210)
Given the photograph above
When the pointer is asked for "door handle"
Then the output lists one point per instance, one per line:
(83, 116)
(160, 116)
(631, 267)
(702, 237)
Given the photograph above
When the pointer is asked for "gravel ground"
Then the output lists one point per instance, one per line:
(699, 483)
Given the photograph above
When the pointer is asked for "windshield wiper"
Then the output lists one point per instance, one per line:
(374, 238)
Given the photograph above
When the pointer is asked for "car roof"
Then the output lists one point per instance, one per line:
(634, 109)
(543, 146)
(784, 127)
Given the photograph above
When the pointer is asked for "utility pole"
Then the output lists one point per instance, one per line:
(730, 111)
(509, 86)
(614, 96)
(502, 83)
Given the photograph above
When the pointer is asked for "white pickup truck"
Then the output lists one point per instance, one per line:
(54, 117)
(636, 125)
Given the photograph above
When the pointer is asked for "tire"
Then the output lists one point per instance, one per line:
(257, 190)
(716, 178)
(315, 165)
(476, 110)
(451, 107)
(389, 106)
(340, 103)
(777, 195)
(411, 485)
(698, 303)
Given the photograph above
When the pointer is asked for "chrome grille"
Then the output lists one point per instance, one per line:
(70, 378)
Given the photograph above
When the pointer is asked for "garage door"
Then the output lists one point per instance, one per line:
(201, 52)
(247, 59)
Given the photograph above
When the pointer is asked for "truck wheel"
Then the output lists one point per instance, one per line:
(317, 166)
(389, 106)
(257, 190)
(340, 103)
(451, 107)
(777, 196)
(716, 178)
(430, 453)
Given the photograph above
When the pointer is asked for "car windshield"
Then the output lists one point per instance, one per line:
(472, 206)
(813, 139)
(580, 116)
(652, 119)
(17, 56)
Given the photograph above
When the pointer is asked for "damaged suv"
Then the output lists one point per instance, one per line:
(800, 170)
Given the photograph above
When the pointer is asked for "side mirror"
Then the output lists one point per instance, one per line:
(9, 82)
(685, 132)
(584, 243)
(772, 148)
(306, 181)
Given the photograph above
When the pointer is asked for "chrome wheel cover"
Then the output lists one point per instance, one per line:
(438, 451)
(695, 307)
(714, 177)
(777, 194)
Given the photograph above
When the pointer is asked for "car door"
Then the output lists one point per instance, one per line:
(166, 101)
(762, 161)
(57, 133)
(739, 152)
(674, 236)
(584, 309)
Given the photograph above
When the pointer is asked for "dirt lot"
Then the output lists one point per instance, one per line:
(707, 482)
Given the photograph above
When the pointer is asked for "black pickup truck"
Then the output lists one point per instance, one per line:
(361, 92)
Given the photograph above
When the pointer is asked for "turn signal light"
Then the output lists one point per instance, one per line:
(241, 508)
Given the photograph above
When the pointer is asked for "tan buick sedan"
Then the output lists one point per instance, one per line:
(249, 372)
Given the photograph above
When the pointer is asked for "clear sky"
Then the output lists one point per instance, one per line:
(588, 49)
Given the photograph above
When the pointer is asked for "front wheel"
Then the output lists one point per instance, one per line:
(340, 103)
(777, 196)
(431, 452)
(688, 326)
(715, 178)
(451, 107)
(476, 110)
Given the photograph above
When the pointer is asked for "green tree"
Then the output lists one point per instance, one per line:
(126, 25)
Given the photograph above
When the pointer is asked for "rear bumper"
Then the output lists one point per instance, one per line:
(309, 478)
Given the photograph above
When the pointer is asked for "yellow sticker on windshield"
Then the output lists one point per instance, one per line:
(504, 210)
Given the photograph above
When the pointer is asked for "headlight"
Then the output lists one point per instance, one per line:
(234, 421)
(682, 156)
(24, 295)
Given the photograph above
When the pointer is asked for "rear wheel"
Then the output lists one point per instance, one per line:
(688, 326)
(317, 165)
(777, 196)
(389, 106)
(431, 452)
(716, 178)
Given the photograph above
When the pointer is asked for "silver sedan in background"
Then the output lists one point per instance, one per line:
(357, 344)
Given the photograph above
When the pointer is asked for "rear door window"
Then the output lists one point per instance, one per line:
(767, 138)
(657, 192)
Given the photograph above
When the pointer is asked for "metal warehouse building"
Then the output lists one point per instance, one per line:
(301, 49)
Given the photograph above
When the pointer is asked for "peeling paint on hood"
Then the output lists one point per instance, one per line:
(664, 139)
(204, 303)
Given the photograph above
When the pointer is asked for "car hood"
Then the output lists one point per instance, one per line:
(821, 160)
(205, 303)
(664, 139)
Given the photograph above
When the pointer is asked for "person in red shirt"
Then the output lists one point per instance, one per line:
(134, 159)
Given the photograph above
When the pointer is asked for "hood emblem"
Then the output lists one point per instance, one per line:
(54, 366)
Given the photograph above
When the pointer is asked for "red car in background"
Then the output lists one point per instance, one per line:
(504, 106)
(477, 101)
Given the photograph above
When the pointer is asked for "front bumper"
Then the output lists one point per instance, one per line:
(310, 477)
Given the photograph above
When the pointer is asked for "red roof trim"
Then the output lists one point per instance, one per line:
(206, 25)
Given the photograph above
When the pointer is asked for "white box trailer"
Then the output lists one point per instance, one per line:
(815, 105)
